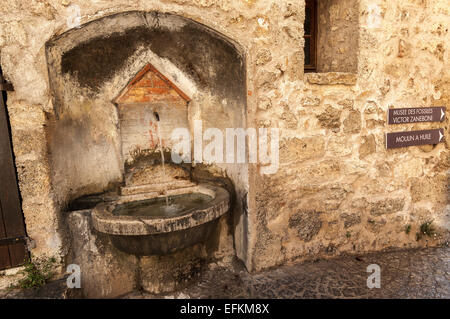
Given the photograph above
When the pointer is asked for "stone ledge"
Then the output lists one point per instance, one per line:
(330, 78)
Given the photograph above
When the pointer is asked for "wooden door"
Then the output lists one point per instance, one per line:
(12, 228)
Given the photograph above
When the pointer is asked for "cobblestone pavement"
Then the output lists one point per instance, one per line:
(421, 273)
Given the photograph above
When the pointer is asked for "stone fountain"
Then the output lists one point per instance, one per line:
(144, 224)
(158, 211)
(159, 222)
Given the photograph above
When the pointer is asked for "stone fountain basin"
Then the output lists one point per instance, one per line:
(147, 235)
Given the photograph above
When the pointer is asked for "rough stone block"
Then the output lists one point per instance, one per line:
(367, 147)
(105, 271)
(330, 118)
(297, 150)
(306, 223)
(352, 123)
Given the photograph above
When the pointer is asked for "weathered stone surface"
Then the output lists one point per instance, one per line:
(371, 124)
(320, 172)
(351, 219)
(443, 163)
(266, 80)
(335, 195)
(386, 206)
(340, 145)
(330, 118)
(432, 189)
(403, 48)
(289, 118)
(410, 168)
(310, 101)
(296, 150)
(263, 56)
(347, 103)
(426, 148)
(36, 171)
(154, 175)
(105, 271)
(379, 207)
(352, 123)
(376, 226)
(264, 104)
(331, 78)
(33, 143)
(368, 146)
(306, 223)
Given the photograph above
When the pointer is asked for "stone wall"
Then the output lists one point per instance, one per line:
(338, 189)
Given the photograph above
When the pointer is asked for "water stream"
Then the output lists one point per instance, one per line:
(158, 131)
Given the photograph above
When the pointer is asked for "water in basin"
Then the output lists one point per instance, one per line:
(156, 207)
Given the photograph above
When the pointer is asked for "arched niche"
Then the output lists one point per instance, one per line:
(90, 66)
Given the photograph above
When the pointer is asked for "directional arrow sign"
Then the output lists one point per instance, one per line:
(404, 139)
(416, 115)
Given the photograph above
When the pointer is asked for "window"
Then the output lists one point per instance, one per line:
(310, 28)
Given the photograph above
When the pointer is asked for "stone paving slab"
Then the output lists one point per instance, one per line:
(419, 273)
